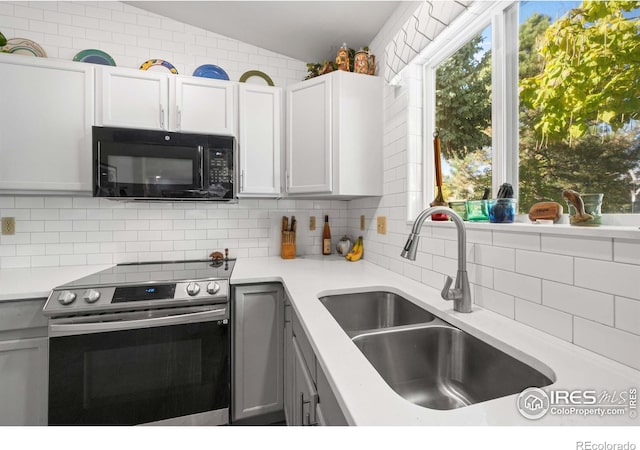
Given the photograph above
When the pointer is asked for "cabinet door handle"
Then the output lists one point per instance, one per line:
(161, 116)
(179, 119)
(242, 180)
(302, 403)
(305, 419)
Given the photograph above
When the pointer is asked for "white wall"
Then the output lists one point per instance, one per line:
(584, 290)
(54, 231)
(132, 36)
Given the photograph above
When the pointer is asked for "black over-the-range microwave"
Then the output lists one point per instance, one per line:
(131, 164)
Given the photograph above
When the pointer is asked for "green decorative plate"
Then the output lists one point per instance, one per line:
(256, 73)
(94, 56)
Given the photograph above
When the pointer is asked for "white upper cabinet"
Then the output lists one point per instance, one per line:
(132, 98)
(260, 143)
(309, 146)
(202, 105)
(46, 113)
(334, 136)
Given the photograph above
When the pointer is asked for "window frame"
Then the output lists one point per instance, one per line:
(503, 17)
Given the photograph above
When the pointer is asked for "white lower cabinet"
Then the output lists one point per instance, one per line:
(23, 381)
(24, 361)
(257, 354)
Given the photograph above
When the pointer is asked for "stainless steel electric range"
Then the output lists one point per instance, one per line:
(143, 343)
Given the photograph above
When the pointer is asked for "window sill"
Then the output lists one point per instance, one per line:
(523, 226)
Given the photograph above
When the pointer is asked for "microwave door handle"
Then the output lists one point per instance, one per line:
(201, 150)
(98, 174)
(68, 329)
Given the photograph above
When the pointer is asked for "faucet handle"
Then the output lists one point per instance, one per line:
(445, 290)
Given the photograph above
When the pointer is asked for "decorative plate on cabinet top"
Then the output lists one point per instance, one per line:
(94, 56)
(23, 46)
(211, 71)
(256, 73)
(158, 63)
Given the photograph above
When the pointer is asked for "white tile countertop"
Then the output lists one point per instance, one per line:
(37, 282)
(364, 396)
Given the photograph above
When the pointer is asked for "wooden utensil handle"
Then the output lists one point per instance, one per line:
(436, 156)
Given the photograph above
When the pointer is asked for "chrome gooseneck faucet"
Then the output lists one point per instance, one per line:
(461, 293)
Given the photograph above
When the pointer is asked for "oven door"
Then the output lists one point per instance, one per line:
(140, 367)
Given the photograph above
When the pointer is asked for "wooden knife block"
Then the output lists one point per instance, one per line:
(288, 245)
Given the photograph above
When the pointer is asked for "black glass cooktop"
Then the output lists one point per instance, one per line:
(174, 271)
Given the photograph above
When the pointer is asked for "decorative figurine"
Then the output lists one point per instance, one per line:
(361, 62)
(342, 60)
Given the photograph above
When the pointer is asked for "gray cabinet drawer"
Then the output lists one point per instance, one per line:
(22, 318)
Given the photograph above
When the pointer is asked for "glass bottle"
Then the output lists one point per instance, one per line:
(326, 237)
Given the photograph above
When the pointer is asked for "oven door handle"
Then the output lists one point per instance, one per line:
(69, 329)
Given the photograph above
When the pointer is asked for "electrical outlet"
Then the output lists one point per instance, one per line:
(382, 224)
(8, 225)
(362, 222)
(312, 223)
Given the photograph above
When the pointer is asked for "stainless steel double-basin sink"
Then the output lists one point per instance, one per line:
(423, 358)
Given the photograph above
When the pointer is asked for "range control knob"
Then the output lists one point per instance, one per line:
(193, 289)
(66, 297)
(213, 287)
(91, 296)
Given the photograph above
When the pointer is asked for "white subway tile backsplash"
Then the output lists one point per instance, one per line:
(529, 241)
(523, 286)
(495, 301)
(628, 315)
(552, 321)
(581, 302)
(14, 262)
(604, 276)
(481, 275)
(45, 238)
(29, 202)
(626, 251)
(615, 344)
(596, 248)
(545, 266)
(30, 249)
(498, 257)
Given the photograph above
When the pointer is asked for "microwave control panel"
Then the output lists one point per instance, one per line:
(220, 166)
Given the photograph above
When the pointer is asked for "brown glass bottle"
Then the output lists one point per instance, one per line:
(326, 237)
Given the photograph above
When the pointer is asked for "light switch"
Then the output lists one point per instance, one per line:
(382, 224)
(362, 222)
(312, 223)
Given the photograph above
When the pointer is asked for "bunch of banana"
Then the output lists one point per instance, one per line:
(356, 252)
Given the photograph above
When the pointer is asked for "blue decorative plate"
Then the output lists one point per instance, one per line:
(211, 71)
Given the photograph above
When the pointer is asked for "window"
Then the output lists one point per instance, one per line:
(463, 118)
(563, 84)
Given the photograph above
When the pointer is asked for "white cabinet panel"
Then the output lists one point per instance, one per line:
(24, 386)
(334, 136)
(260, 146)
(204, 106)
(132, 99)
(163, 101)
(258, 346)
(46, 115)
(309, 154)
